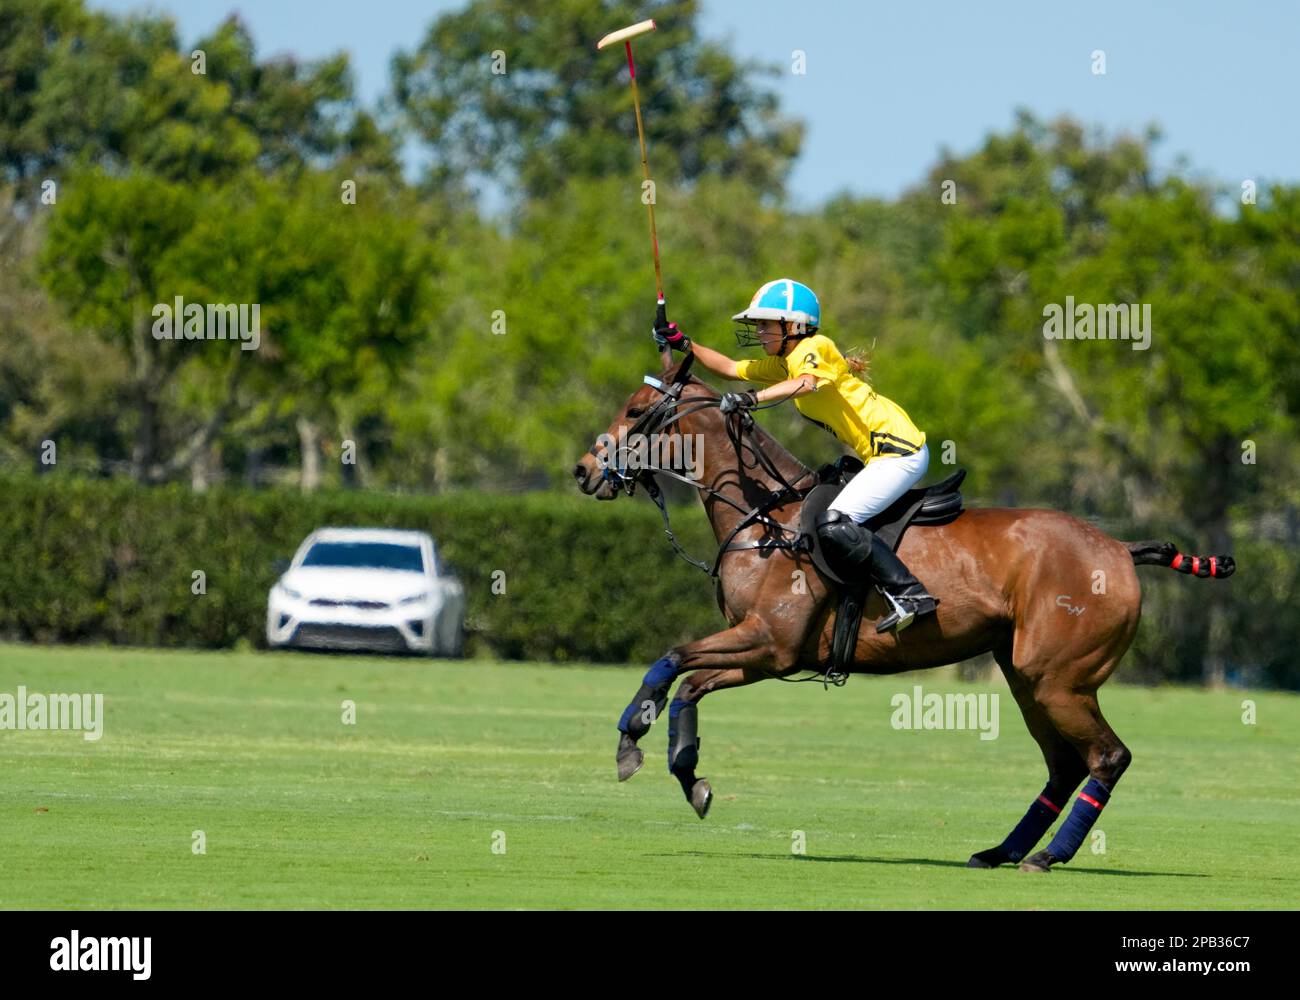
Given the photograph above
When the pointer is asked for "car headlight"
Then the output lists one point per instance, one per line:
(288, 592)
(415, 598)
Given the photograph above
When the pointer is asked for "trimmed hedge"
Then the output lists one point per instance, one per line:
(112, 561)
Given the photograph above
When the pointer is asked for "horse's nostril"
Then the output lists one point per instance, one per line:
(579, 472)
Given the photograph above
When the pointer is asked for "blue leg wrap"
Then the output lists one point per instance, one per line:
(648, 704)
(1042, 814)
(1087, 807)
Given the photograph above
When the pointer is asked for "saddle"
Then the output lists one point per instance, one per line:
(926, 505)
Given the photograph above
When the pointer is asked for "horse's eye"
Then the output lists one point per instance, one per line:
(635, 412)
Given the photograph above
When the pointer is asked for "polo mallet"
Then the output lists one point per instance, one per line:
(625, 35)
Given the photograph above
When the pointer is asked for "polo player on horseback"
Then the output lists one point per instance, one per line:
(783, 318)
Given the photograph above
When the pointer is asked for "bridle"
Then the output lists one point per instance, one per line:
(669, 409)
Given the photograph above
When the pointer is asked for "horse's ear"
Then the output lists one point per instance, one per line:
(684, 369)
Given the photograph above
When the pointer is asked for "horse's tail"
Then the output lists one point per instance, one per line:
(1167, 554)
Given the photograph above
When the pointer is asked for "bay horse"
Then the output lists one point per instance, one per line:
(998, 574)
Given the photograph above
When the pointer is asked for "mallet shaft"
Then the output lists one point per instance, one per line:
(645, 166)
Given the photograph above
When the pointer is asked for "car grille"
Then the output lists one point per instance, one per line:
(349, 637)
(321, 602)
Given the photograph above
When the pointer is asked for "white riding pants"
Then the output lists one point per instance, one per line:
(882, 482)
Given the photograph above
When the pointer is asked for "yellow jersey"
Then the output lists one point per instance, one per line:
(842, 404)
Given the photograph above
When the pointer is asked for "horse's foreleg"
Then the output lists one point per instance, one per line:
(642, 711)
(738, 656)
(746, 644)
(683, 727)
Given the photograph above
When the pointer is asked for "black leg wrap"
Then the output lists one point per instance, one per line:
(683, 743)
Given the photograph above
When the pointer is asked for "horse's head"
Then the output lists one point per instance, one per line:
(618, 459)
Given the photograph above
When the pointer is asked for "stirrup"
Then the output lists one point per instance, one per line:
(902, 614)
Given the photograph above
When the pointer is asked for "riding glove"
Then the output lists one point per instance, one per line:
(732, 401)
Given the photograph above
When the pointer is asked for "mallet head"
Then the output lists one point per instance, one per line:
(623, 34)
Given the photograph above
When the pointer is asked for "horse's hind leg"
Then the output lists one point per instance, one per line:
(1063, 660)
(1078, 718)
(1065, 769)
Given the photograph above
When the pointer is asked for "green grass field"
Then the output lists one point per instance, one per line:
(403, 808)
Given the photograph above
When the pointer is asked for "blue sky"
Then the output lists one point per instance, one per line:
(890, 84)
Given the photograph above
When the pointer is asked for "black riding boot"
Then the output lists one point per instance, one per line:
(857, 553)
(903, 592)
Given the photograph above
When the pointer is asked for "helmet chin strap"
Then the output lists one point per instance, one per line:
(786, 336)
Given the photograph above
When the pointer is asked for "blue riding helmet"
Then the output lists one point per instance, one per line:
(785, 300)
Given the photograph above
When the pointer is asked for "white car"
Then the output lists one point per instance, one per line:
(367, 588)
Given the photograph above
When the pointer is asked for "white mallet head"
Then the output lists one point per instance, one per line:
(623, 34)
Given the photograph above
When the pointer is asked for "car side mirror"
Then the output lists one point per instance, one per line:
(280, 566)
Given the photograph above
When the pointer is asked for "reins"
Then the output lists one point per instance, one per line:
(671, 409)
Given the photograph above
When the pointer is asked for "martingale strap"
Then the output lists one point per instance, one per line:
(755, 515)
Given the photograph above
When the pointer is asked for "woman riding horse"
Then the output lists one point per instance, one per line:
(1054, 599)
(802, 364)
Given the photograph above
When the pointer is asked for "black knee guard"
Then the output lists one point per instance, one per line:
(846, 544)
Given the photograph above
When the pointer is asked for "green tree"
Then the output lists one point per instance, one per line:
(1150, 438)
(330, 322)
(560, 110)
(81, 87)
(56, 384)
(303, 113)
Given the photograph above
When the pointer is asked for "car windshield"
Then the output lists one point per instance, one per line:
(365, 555)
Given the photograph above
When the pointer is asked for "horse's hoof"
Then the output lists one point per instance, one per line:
(630, 758)
(701, 798)
(987, 859)
(1040, 862)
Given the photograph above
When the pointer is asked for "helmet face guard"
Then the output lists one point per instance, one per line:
(747, 333)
